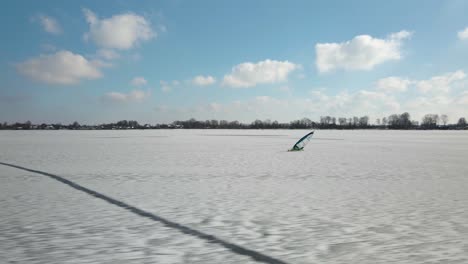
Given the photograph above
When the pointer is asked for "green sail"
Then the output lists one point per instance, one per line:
(301, 143)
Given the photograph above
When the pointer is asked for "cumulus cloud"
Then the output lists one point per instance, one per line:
(362, 102)
(376, 103)
(215, 107)
(63, 67)
(438, 94)
(49, 24)
(286, 89)
(462, 99)
(363, 52)
(47, 47)
(389, 96)
(442, 94)
(250, 74)
(319, 103)
(138, 81)
(107, 54)
(463, 34)
(441, 83)
(132, 96)
(122, 31)
(452, 105)
(393, 84)
(203, 80)
(161, 108)
(359, 103)
(167, 86)
(244, 110)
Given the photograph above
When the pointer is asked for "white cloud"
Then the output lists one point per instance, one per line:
(362, 102)
(122, 31)
(259, 107)
(438, 96)
(167, 86)
(48, 47)
(440, 84)
(132, 96)
(462, 99)
(50, 24)
(107, 54)
(62, 67)
(463, 34)
(374, 103)
(161, 108)
(394, 95)
(343, 104)
(250, 74)
(138, 81)
(203, 80)
(285, 88)
(393, 84)
(215, 107)
(363, 52)
(452, 105)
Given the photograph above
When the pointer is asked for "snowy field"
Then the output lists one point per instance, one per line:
(362, 197)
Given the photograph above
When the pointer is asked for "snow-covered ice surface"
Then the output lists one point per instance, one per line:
(350, 197)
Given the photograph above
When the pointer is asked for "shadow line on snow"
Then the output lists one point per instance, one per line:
(257, 256)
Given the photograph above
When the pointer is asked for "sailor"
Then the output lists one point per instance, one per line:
(297, 148)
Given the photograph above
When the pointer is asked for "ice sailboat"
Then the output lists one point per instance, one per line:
(301, 143)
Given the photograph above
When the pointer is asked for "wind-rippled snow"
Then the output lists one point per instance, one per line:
(350, 197)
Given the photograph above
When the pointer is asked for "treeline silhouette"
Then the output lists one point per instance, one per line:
(395, 121)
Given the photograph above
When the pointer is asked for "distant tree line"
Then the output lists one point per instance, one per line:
(395, 121)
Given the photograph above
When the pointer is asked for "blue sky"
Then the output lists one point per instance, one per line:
(159, 61)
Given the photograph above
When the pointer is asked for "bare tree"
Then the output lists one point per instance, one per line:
(223, 123)
(363, 121)
(323, 120)
(444, 119)
(75, 125)
(257, 123)
(234, 124)
(393, 121)
(342, 121)
(384, 121)
(462, 122)
(275, 124)
(405, 121)
(355, 120)
(430, 121)
(306, 122)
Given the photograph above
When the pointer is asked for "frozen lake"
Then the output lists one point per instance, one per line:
(351, 197)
